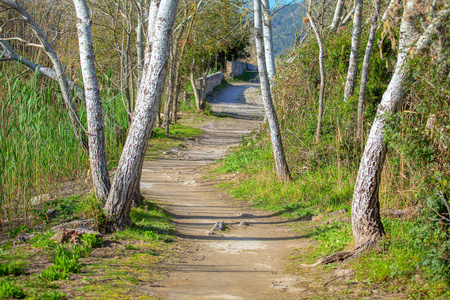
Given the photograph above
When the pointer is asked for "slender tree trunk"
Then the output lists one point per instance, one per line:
(365, 70)
(322, 75)
(268, 42)
(168, 95)
(170, 88)
(140, 39)
(337, 15)
(178, 67)
(366, 222)
(94, 111)
(120, 198)
(152, 14)
(386, 12)
(354, 53)
(277, 145)
(60, 75)
(153, 11)
(203, 86)
(194, 87)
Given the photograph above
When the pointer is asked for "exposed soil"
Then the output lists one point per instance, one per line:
(243, 262)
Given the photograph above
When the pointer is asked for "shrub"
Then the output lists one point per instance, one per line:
(9, 290)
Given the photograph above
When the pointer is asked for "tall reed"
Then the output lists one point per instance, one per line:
(38, 148)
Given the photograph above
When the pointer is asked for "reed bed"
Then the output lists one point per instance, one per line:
(38, 149)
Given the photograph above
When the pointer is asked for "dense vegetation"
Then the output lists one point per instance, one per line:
(415, 250)
(39, 151)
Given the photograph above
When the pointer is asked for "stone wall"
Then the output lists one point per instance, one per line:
(236, 68)
(213, 81)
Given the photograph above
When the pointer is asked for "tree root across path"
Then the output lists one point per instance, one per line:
(345, 255)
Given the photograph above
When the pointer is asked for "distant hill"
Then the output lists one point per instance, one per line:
(286, 23)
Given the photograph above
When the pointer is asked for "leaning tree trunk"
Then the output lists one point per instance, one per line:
(268, 42)
(153, 12)
(60, 75)
(366, 222)
(354, 53)
(97, 152)
(337, 15)
(277, 145)
(365, 70)
(120, 198)
(322, 74)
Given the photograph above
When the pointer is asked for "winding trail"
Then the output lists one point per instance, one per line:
(244, 262)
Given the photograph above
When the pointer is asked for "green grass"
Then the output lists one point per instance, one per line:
(150, 224)
(246, 76)
(8, 290)
(307, 193)
(161, 142)
(412, 258)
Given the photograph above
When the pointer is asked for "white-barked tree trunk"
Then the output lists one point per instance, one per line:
(120, 198)
(94, 111)
(275, 134)
(354, 52)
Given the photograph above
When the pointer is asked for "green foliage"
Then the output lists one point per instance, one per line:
(65, 262)
(44, 241)
(416, 173)
(404, 256)
(52, 295)
(150, 224)
(38, 146)
(332, 238)
(9, 290)
(11, 268)
(91, 240)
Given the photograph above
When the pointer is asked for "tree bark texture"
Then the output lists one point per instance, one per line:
(337, 15)
(152, 14)
(60, 75)
(354, 53)
(322, 76)
(94, 111)
(365, 70)
(366, 222)
(140, 48)
(275, 134)
(268, 41)
(120, 198)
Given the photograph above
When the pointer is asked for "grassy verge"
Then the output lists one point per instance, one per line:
(409, 259)
(121, 265)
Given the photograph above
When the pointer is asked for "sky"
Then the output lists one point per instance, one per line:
(274, 2)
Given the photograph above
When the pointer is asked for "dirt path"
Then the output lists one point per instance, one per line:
(244, 262)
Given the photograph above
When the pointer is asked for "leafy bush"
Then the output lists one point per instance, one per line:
(11, 269)
(9, 290)
(65, 262)
(90, 241)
